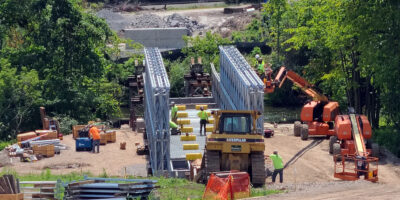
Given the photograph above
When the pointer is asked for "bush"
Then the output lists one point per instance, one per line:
(388, 137)
(66, 123)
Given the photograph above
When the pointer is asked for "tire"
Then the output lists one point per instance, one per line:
(336, 151)
(297, 128)
(375, 150)
(332, 140)
(304, 132)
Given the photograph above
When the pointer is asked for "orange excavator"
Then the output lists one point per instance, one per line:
(317, 116)
(349, 134)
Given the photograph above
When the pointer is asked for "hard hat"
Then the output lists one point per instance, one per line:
(257, 56)
(173, 103)
(259, 59)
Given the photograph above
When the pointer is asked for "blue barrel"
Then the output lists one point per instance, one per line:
(83, 144)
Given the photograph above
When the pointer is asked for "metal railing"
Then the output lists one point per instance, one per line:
(220, 95)
(242, 85)
(156, 115)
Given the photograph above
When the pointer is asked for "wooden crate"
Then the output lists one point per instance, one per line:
(19, 196)
(45, 150)
(25, 136)
(103, 138)
(111, 136)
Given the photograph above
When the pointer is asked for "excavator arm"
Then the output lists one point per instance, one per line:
(284, 74)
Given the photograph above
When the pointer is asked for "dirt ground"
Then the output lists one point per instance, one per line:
(311, 177)
(111, 159)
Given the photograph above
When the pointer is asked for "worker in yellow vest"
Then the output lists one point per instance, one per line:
(278, 166)
(203, 120)
(174, 113)
(260, 67)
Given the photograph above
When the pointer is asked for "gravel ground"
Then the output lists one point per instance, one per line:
(196, 21)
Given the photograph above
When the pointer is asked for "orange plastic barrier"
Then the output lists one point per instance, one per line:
(227, 186)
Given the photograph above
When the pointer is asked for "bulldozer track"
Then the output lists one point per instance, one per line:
(257, 168)
(299, 154)
(212, 162)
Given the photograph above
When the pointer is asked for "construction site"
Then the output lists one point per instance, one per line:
(217, 132)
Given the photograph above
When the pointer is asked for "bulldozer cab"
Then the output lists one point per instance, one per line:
(232, 123)
(235, 122)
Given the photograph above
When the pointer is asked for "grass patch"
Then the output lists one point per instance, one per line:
(4, 144)
(170, 188)
(176, 188)
(259, 192)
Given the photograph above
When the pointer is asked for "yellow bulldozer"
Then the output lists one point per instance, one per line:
(234, 144)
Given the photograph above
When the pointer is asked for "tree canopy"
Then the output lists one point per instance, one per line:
(55, 54)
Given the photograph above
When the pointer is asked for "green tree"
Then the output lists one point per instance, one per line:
(205, 47)
(69, 52)
(20, 97)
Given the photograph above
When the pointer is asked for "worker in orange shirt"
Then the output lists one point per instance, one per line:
(94, 133)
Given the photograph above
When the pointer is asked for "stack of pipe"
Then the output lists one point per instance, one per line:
(97, 188)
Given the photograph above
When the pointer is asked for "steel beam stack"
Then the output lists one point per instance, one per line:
(245, 88)
(156, 85)
(220, 95)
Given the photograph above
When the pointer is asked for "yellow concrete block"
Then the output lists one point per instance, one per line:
(181, 107)
(188, 138)
(209, 129)
(183, 114)
(183, 121)
(187, 129)
(211, 120)
(205, 107)
(193, 156)
(190, 146)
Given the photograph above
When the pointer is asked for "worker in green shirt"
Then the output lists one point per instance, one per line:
(260, 67)
(174, 128)
(203, 119)
(174, 113)
(278, 166)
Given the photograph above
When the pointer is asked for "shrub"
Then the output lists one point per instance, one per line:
(388, 137)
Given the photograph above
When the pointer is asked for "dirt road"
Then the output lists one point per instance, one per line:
(111, 159)
(311, 177)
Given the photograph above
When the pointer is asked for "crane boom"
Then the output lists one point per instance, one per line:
(303, 84)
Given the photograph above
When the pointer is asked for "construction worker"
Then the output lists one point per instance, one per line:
(260, 67)
(94, 133)
(203, 119)
(174, 113)
(278, 166)
(174, 128)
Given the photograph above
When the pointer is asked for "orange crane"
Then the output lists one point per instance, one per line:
(350, 147)
(349, 134)
(317, 116)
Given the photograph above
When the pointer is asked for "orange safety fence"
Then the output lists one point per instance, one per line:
(227, 186)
